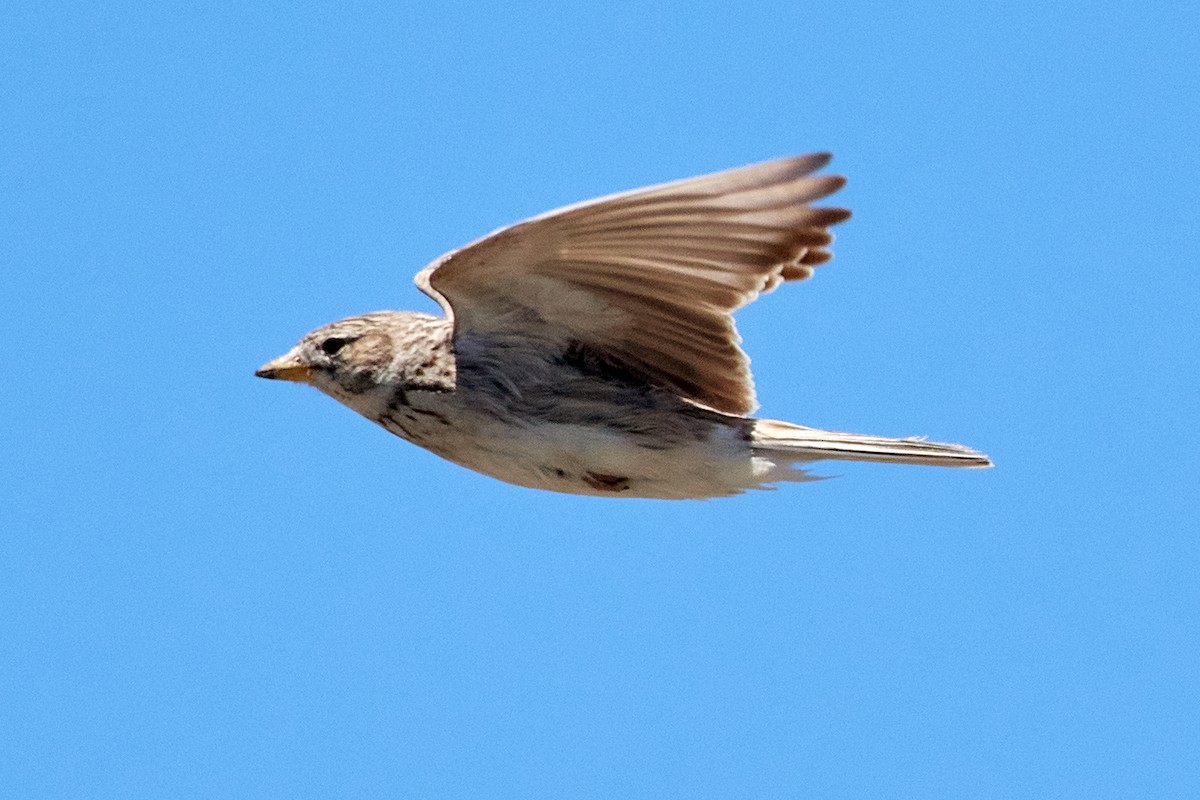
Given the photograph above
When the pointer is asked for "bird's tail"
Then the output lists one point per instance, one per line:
(785, 442)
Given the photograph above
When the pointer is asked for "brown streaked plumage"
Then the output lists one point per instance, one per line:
(592, 349)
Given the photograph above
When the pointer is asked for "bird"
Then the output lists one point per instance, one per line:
(591, 350)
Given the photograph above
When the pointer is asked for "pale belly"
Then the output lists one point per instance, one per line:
(588, 460)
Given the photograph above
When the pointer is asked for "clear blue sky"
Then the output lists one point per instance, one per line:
(216, 586)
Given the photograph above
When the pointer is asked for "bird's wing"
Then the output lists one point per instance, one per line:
(649, 278)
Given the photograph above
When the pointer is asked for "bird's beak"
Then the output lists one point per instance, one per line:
(288, 367)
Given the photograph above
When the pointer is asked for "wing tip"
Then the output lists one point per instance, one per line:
(811, 162)
(796, 167)
(824, 216)
(834, 182)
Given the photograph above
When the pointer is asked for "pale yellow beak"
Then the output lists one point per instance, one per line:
(285, 368)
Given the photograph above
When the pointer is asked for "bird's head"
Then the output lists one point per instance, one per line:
(349, 358)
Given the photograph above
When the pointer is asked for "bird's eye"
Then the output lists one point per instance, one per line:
(333, 344)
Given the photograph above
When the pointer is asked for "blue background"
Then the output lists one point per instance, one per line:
(216, 586)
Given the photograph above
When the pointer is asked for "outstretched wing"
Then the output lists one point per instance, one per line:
(649, 278)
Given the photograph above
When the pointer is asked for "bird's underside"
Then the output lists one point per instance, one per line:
(591, 350)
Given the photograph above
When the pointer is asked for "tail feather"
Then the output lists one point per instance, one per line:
(795, 443)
